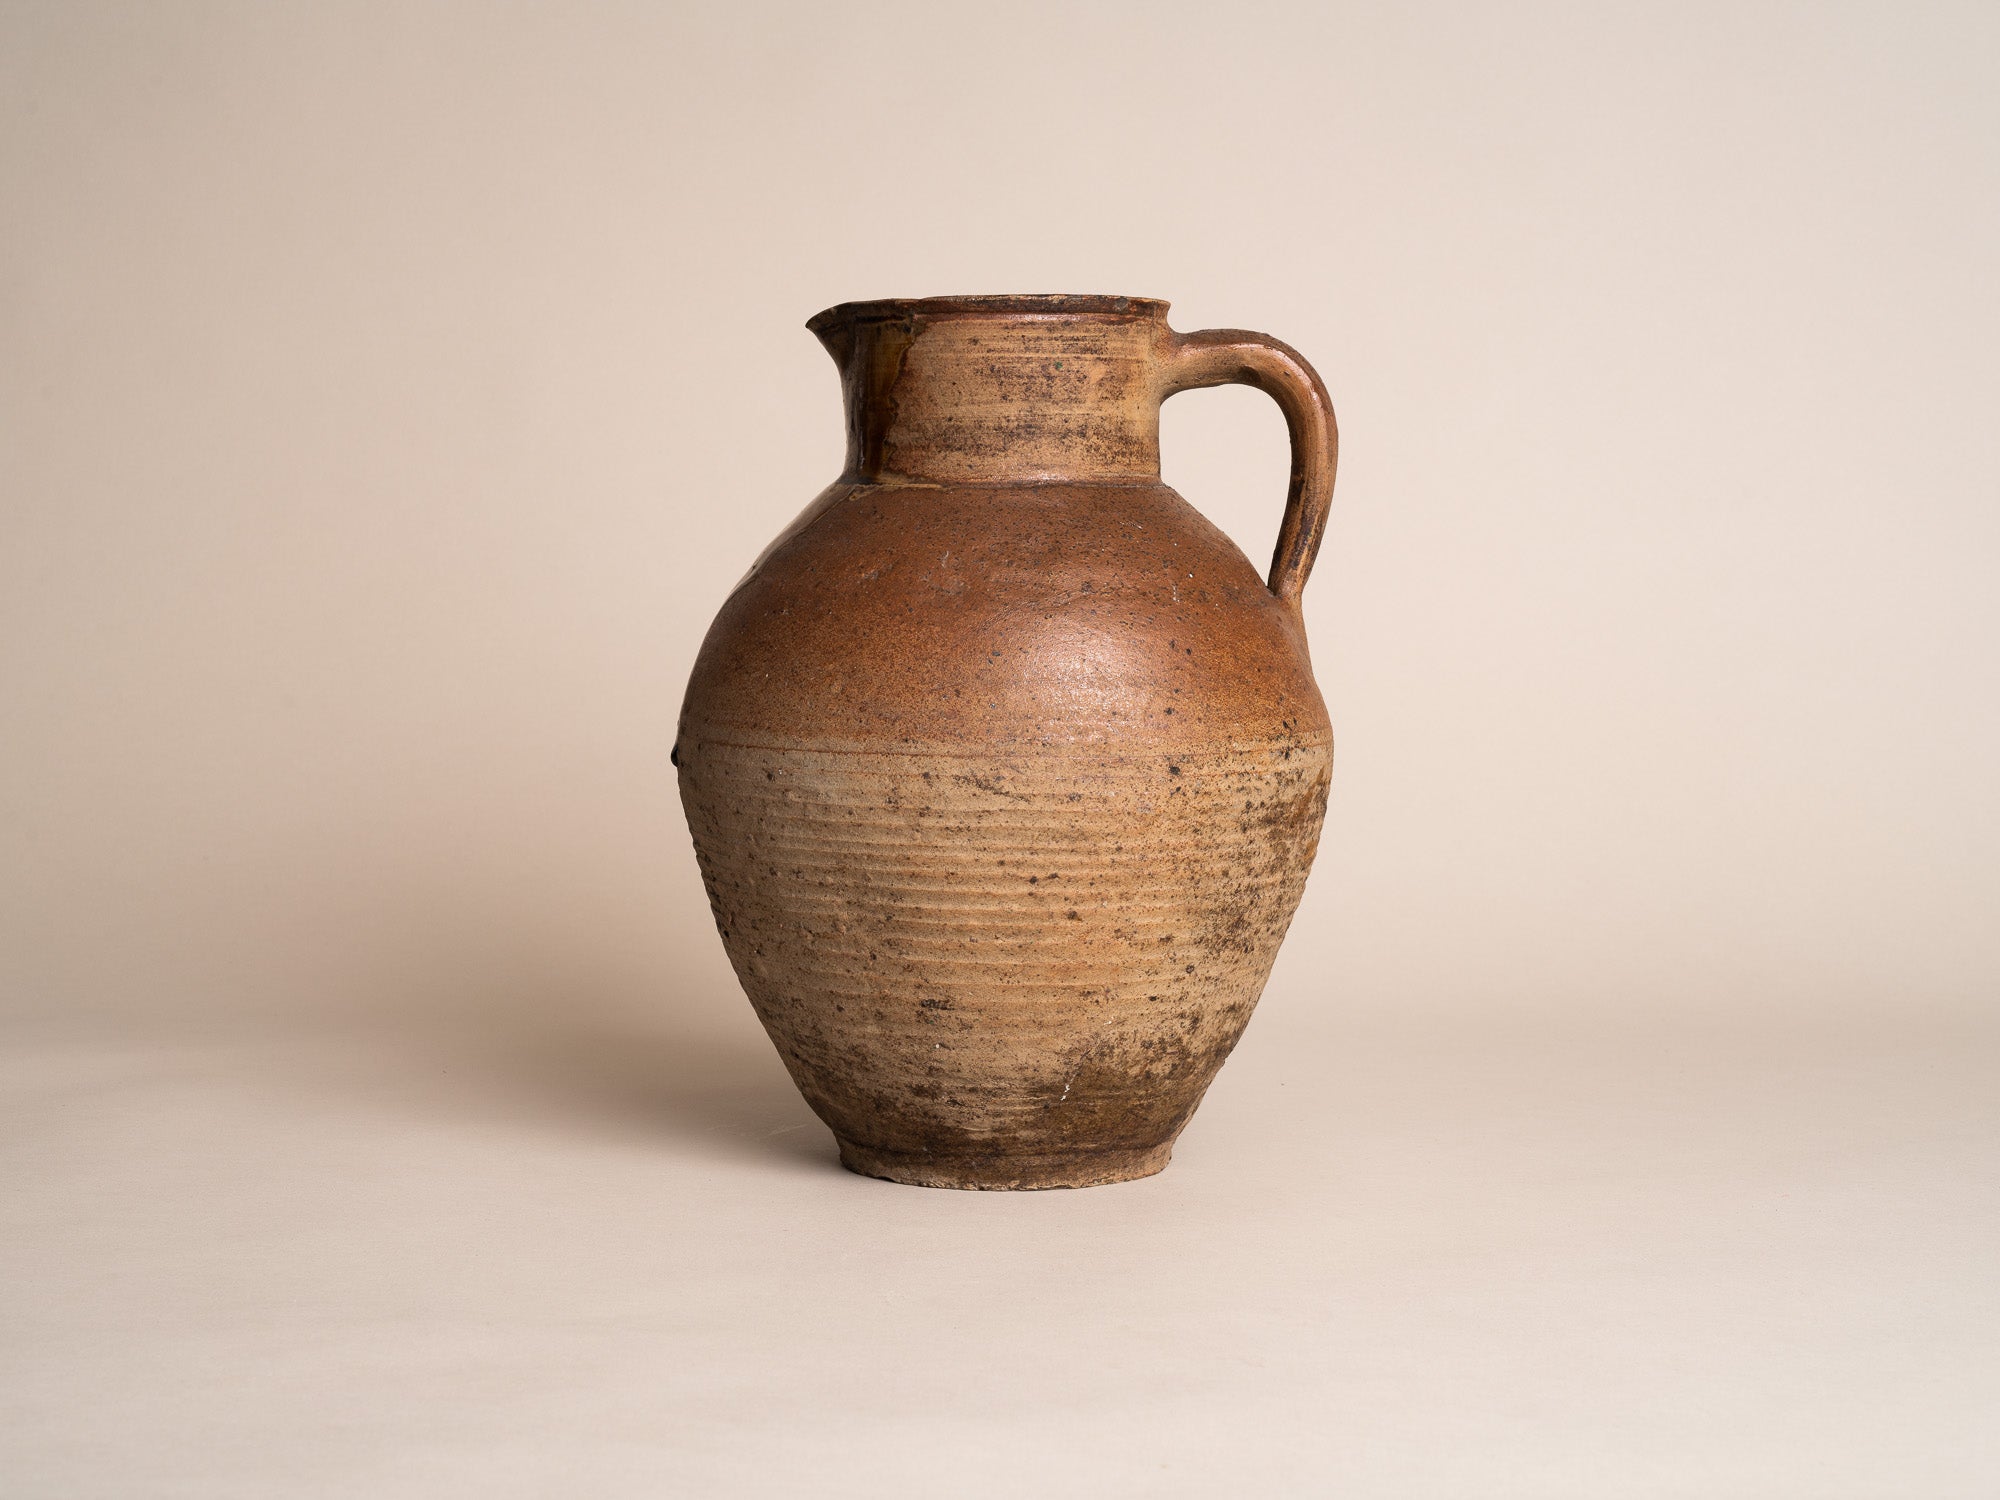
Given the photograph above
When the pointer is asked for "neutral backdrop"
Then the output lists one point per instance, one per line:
(389, 395)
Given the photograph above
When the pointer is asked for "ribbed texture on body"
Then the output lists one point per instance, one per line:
(971, 960)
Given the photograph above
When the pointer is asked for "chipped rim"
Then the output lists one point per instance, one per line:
(1014, 305)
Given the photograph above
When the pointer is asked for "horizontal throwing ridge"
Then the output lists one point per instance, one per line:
(932, 930)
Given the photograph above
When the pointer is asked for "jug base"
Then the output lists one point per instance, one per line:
(1002, 1172)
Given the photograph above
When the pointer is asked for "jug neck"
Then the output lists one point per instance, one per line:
(973, 390)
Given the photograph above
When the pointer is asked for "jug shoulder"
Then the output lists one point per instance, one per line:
(933, 616)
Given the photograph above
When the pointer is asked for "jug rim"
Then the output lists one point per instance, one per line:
(1017, 304)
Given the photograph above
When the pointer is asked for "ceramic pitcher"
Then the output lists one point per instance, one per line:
(1004, 767)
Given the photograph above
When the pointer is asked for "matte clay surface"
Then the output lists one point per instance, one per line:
(1004, 767)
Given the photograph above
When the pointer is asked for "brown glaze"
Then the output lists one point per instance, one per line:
(1004, 767)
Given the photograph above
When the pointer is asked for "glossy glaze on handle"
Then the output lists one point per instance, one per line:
(1233, 356)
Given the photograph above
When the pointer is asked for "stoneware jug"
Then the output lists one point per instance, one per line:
(1004, 767)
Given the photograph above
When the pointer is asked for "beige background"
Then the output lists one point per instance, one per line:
(388, 396)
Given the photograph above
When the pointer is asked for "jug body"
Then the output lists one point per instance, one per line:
(1004, 767)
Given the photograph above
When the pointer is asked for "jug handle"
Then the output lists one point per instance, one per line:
(1231, 356)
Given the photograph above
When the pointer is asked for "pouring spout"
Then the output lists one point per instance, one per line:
(835, 333)
(869, 352)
